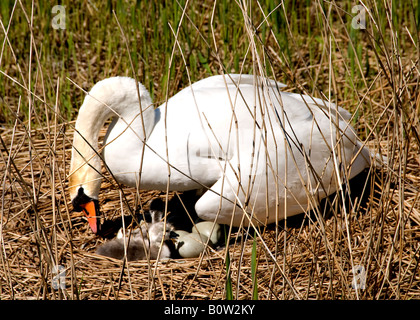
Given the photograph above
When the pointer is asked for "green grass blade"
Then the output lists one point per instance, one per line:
(254, 264)
(228, 285)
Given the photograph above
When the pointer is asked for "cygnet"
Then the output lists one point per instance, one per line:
(145, 241)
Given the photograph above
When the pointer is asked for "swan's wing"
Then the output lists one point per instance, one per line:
(281, 160)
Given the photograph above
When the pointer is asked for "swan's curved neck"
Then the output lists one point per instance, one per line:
(112, 97)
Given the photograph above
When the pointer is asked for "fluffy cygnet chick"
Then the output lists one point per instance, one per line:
(143, 242)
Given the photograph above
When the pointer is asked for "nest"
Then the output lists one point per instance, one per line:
(370, 251)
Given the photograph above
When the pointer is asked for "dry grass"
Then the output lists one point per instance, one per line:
(307, 257)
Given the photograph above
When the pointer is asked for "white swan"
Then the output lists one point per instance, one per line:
(268, 153)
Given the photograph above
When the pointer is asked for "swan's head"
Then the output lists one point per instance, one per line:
(112, 97)
(90, 206)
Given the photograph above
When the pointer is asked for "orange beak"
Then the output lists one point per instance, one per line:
(90, 212)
